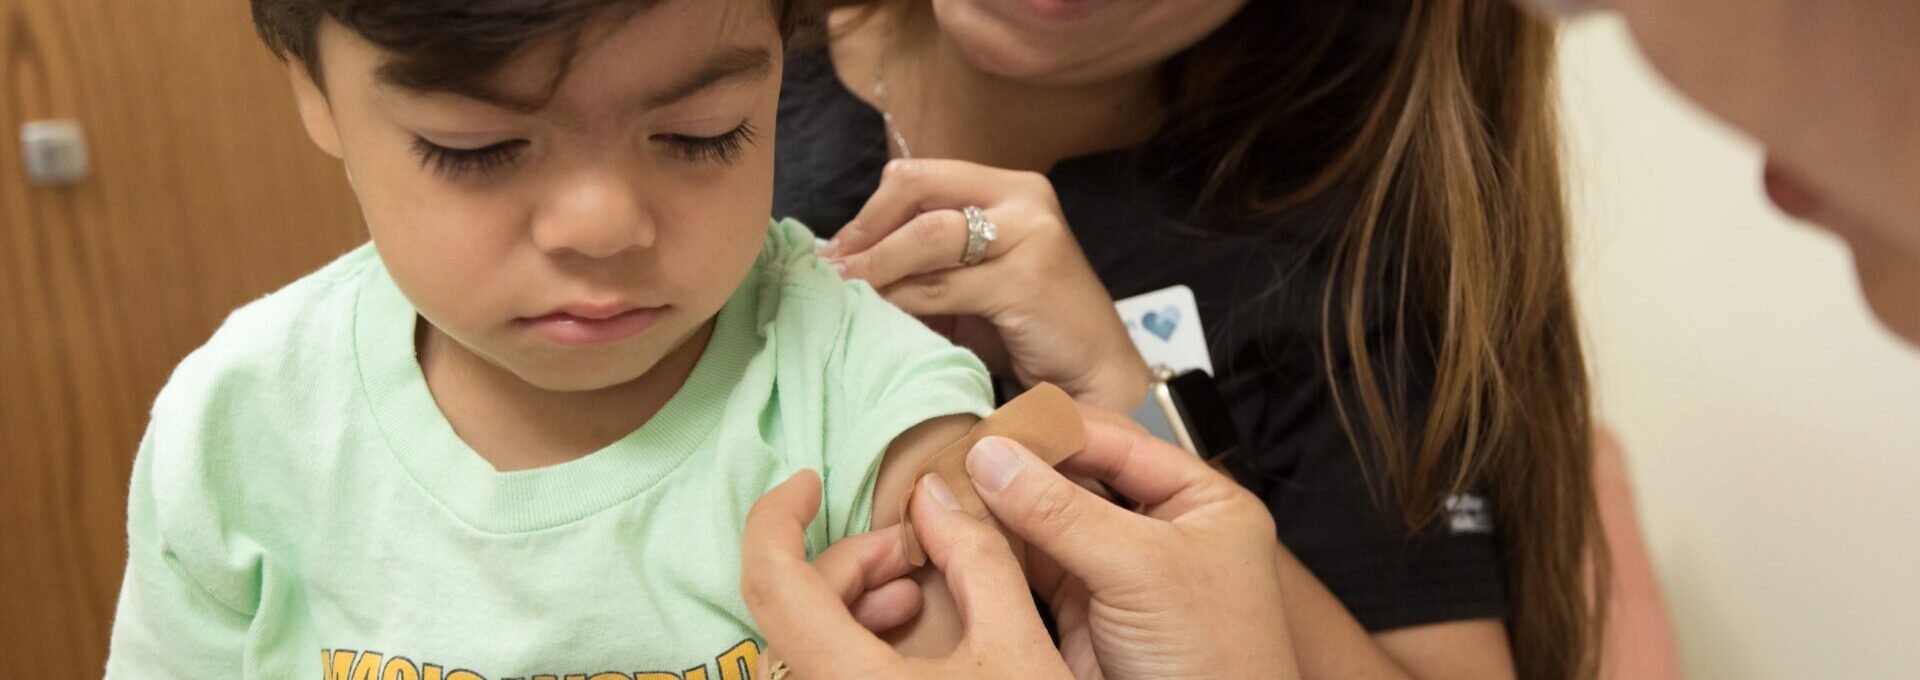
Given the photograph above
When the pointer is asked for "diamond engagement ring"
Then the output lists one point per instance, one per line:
(980, 233)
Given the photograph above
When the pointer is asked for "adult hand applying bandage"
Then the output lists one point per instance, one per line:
(803, 609)
(1186, 587)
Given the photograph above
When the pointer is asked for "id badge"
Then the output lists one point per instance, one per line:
(1165, 326)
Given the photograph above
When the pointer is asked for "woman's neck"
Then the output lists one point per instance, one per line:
(946, 107)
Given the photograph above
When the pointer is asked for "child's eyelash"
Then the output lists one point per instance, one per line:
(724, 148)
(457, 163)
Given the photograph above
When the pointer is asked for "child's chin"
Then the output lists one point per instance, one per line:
(583, 378)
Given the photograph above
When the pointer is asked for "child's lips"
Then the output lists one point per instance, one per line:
(595, 325)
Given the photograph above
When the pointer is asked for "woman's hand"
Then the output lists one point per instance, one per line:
(803, 609)
(1033, 306)
(1188, 587)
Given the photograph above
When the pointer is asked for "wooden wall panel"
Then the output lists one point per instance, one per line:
(203, 194)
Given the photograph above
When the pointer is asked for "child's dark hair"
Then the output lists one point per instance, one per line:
(451, 45)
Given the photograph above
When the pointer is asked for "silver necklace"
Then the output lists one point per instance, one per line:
(886, 109)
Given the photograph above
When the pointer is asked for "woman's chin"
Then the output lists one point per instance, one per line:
(1893, 293)
(1887, 265)
(1014, 52)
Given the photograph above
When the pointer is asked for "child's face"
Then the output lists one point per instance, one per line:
(577, 245)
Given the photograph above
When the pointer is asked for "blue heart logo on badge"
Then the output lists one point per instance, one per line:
(1168, 328)
(1162, 323)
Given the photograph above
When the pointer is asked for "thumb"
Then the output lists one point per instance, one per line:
(1082, 532)
(989, 588)
(792, 603)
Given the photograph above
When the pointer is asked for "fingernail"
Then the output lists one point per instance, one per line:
(828, 249)
(941, 494)
(840, 267)
(993, 464)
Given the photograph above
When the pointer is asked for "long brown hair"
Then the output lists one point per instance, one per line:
(1437, 118)
(1432, 122)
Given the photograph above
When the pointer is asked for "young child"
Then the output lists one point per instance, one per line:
(517, 435)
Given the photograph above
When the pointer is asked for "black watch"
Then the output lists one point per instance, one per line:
(1187, 409)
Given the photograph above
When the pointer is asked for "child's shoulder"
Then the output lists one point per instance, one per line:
(844, 327)
(278, 343)
(265, 383)
(789, 268)
(819, 319)
(801, 290)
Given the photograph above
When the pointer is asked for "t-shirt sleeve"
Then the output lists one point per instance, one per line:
(169, 622)
(888, 373)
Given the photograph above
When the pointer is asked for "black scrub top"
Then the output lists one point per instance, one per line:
(1258, 288)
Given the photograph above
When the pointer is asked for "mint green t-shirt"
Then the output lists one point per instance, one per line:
(300, 508)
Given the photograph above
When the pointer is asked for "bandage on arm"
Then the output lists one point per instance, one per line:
(1045, 420)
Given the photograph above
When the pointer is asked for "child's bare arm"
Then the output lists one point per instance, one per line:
(937, 629)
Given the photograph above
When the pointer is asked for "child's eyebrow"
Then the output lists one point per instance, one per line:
(727, 64)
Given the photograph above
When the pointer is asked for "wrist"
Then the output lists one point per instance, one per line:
(1121, 385)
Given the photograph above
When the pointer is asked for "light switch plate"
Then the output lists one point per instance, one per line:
(55, 152)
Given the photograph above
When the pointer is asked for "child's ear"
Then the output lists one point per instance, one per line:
(315, 112)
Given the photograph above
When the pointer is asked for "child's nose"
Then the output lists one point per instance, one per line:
(598, 216)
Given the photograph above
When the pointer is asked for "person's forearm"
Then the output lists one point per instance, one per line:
(1330, 643)
(1639, 640)
(1327, 641)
